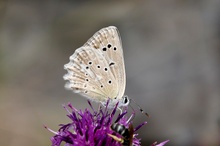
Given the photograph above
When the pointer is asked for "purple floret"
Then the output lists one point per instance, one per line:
(90, 127)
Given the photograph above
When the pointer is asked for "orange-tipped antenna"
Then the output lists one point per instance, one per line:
(142, 111)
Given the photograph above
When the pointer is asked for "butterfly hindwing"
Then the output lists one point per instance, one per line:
(89, 74)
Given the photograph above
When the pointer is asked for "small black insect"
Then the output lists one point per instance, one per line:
(126, 133)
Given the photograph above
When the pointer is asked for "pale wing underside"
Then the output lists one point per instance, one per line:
(109, 38)
(90, 75)
(96, 70)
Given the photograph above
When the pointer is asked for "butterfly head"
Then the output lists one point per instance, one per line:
(124, 101)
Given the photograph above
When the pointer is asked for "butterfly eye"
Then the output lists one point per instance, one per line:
(125, 100)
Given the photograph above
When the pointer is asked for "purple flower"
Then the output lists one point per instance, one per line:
(93, 128)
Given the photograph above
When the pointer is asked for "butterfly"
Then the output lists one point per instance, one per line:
(97, 71)
(126, 133)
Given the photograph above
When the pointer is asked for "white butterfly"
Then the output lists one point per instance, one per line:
(96, 70)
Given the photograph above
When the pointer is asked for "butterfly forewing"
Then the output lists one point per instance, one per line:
(109, 42)
(96, 70)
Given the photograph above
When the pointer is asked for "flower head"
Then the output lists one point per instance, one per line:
(96, 128)
(92, 128)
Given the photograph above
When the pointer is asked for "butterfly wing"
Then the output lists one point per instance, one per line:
(96, 70)
(89, 75)
(109, 42)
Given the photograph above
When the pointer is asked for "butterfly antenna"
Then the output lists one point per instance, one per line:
(141, 110)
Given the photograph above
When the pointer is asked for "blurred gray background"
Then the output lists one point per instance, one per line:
(171, 51)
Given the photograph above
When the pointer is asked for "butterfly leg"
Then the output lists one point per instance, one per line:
(99, 107)
(119, 110)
